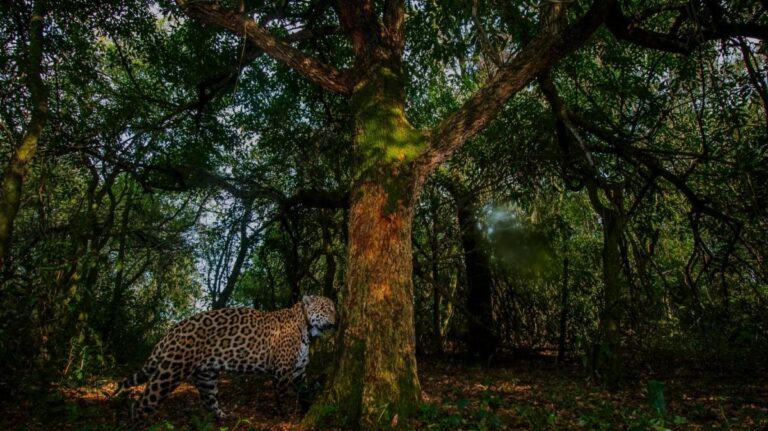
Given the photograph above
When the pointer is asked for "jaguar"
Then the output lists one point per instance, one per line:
(232, 339)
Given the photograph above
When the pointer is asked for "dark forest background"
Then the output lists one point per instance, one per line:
(612, 216)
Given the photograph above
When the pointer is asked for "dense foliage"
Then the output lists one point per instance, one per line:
(613, 212)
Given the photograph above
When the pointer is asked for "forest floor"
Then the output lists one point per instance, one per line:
(521, 395)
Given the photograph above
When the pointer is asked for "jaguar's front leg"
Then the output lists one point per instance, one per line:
(281, 380)
(302, 391)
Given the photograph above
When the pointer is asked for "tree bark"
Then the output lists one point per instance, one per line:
(16, 172)
(376, 379)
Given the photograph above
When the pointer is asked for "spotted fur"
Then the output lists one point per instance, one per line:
(232, 339)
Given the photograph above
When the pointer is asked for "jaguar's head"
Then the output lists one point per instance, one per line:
(321, 313)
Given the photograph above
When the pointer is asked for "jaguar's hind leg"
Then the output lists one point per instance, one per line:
(207, 384)
(159, 386)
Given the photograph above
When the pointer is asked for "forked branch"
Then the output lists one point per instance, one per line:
(483, 106)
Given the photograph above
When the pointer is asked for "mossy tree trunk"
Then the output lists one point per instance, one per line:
(375, 382)
(16, 172)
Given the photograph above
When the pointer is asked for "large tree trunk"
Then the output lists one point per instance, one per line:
(376, 378)
(13, 177)
(375, 382)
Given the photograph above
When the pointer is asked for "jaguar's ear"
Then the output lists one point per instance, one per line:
(305, 299)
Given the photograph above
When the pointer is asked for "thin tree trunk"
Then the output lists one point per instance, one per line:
(329, 278)
(291, 258)
(120, 286)
(436, 320)
(607, 355)
(435, 251)
(89, 256)
(610, 320)
(563, 314)
(481, 343)
(237, 267)
(16, 172)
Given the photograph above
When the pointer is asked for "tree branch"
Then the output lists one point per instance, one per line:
(485, 43)
(630, 30)
(185, 177)
(213, 85)
(637, 157)
(244, 247)
(483, 106)
(324, 75)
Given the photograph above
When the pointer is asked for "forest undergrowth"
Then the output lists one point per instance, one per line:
(523, 394)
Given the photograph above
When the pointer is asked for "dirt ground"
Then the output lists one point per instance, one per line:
(521, 395)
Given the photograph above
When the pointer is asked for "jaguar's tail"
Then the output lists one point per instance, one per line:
(138, 378)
